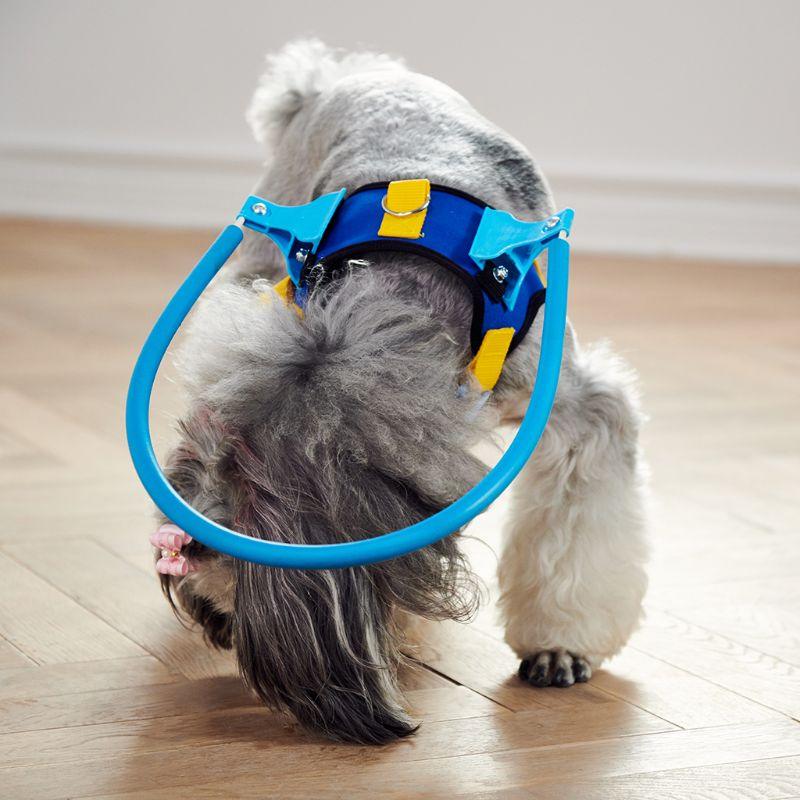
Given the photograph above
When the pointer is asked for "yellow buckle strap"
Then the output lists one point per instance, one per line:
(405, 207)
(488, 362)
(285, 290)
(538, 268)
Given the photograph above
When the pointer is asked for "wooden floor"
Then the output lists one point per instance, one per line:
(103, 693)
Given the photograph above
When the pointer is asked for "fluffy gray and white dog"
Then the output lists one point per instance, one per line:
(346, 423)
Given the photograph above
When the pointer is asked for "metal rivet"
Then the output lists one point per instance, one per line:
(551, 223)
(259, 208)
(301, 256)
(500, 273)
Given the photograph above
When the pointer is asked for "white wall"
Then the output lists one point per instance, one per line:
(671, 126)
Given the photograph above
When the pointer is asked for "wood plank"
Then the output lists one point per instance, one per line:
(28, 350)
(768, 779)
(130, 541)
(18, 455)
(11, 657)
(73, 505)
(414, 675)
(448, 703)
(724, 662)
(243, 768)
(437, 738)
(67, 443)
(155, 695)
(93, 401)
(104, 527)
(117, 705)
(674, 694)
(26, 683)
(49, 627)
(761, 614)
(698, 546)
(127, 599)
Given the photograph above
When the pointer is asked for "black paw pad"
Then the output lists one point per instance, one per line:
(554, 668)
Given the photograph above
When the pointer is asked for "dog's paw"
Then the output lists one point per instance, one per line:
(554, 668)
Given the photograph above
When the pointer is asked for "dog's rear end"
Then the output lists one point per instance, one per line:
(342, 425)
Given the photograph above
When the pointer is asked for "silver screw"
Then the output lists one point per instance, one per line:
(500, 273)
(259, 208)
(551, 223)
(301, 256)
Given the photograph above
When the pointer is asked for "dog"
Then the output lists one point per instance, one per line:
(346, 422)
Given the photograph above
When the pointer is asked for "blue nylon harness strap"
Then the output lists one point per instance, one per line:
(452, 222)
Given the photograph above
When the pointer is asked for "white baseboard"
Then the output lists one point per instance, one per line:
(172, 190)
(740, 218)
(743, 218)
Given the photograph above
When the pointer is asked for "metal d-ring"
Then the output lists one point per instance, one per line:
(405, 213)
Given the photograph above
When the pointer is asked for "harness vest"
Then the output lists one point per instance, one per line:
(490, 251)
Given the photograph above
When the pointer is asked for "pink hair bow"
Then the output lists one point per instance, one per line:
(170, 539)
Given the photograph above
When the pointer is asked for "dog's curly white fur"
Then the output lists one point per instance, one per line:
(347, 424)
(571, 572)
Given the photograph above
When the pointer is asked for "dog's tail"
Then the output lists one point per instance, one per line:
(343, 425)
(299, 73)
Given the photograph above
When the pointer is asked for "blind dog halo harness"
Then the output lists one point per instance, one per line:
(491, 251)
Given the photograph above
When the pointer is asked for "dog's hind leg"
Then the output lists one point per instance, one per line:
(572, 568)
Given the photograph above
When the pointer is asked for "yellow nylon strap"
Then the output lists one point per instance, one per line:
(538, 267)
(402, 197)
(285, 290)
(488, 362)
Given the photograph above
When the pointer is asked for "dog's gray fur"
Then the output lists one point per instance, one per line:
(346, 423)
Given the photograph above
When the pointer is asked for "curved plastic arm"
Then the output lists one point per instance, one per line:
(344, 554)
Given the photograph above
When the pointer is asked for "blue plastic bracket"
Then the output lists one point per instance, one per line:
(296, 230)
(502, 240)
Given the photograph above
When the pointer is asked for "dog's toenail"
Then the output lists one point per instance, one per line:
(540, 676)
(562, 678)
(580, 670)
(524, 669)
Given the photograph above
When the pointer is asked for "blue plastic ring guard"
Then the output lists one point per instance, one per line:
(343, 554)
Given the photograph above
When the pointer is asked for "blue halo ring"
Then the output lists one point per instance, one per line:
(343, 554)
